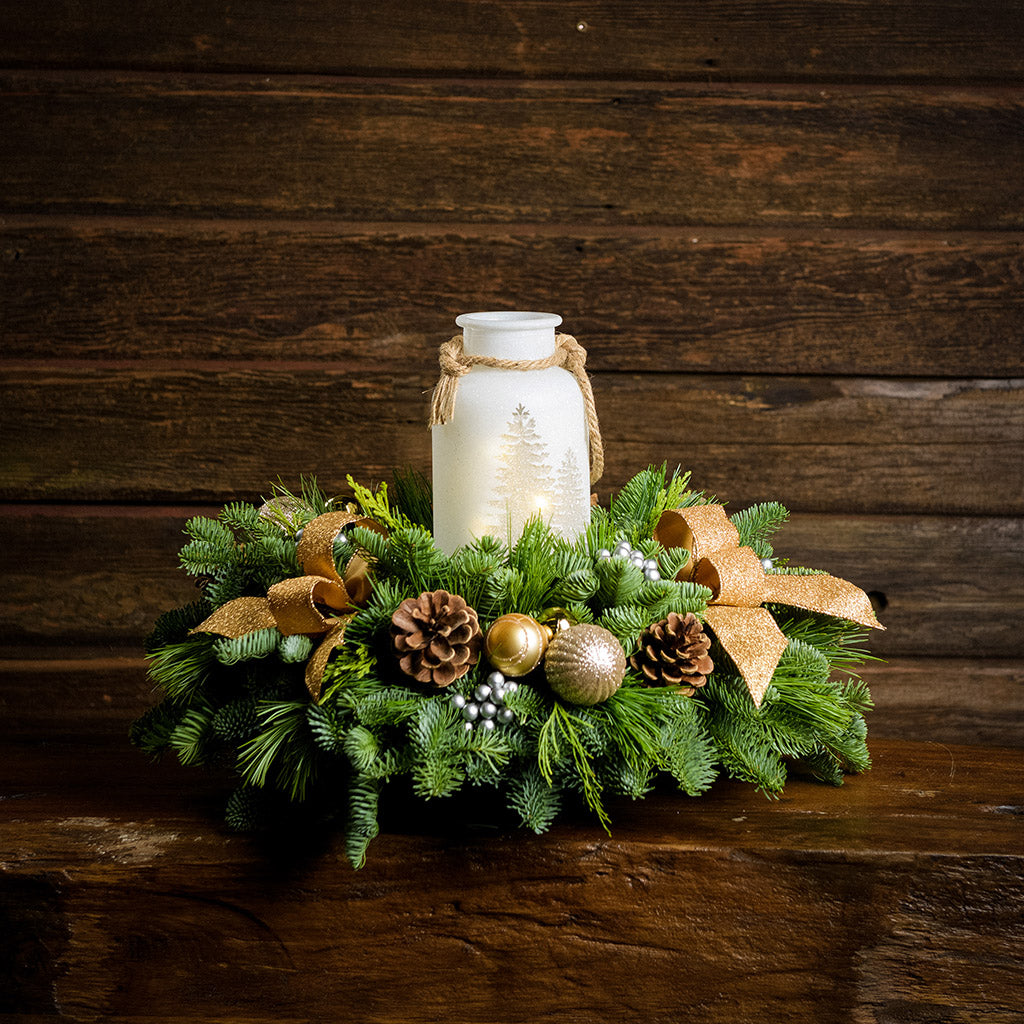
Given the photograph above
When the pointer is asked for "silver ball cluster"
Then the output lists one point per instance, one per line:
(767, 564)
(622, 549)
(486, 708)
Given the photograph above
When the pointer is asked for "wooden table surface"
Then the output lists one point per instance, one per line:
(897, 897)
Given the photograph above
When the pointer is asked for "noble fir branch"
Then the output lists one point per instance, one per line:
(471, 567)
(528, 704)
(174, 626)
(580, 612)
(381, 762)
(534, 799)
(534, 556)
(294, 649)
(371, 625)
(436, 730)
(619, 582)
(628, 721)
(633, 509)
(851, 749)
(687, 753)
(245, 519)
(363, 749)
(757, 524)
(247, 810)
(362, 827)
(409, 554)
(152, 732)
(848, 754)
(627, 779)
(327, 727)
(211, 532)
(577, 586)
(625, 623)
(258, 644)
(382, 705)
(233, 581)
(209, 558)
(672, 562)
(838, 639)
(857, 696)
(567, 559)
(274, 557)
(745, 753)
(822, 765)
(502, 592)
(572, 576)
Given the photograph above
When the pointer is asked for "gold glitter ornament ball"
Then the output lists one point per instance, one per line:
(515, 644)
(584, 664)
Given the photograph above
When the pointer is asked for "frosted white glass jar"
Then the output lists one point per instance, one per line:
(517, 444)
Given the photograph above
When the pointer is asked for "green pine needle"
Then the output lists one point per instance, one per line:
(561, 741)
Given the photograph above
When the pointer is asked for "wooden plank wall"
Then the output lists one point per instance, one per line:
(789, 234)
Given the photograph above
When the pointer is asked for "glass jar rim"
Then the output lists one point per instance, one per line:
(509, 320)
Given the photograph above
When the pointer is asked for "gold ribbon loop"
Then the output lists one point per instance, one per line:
(739, 585)
(700, 529)
(733, 575)
(291, 604)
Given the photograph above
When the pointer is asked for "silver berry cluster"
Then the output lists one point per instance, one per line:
(623, 549)
(486, 708)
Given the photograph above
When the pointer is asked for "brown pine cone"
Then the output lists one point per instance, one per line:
(674, 652)
(437, 637)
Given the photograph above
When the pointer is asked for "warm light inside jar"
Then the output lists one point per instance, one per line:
(516, 445)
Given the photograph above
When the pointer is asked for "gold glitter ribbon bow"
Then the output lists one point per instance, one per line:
(739, 585)
(293, 605)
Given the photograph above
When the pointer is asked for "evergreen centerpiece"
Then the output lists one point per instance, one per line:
(335, 649)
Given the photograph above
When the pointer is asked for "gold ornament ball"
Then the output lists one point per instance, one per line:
(584, 664)
(556, 619)
(515, 644)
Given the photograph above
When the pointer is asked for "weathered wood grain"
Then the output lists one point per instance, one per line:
(720, 300)
(587, 153)
(133, 433)
(897, 895)
(952, 585)
(973, 701)
(94, 693)
(821, 40)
